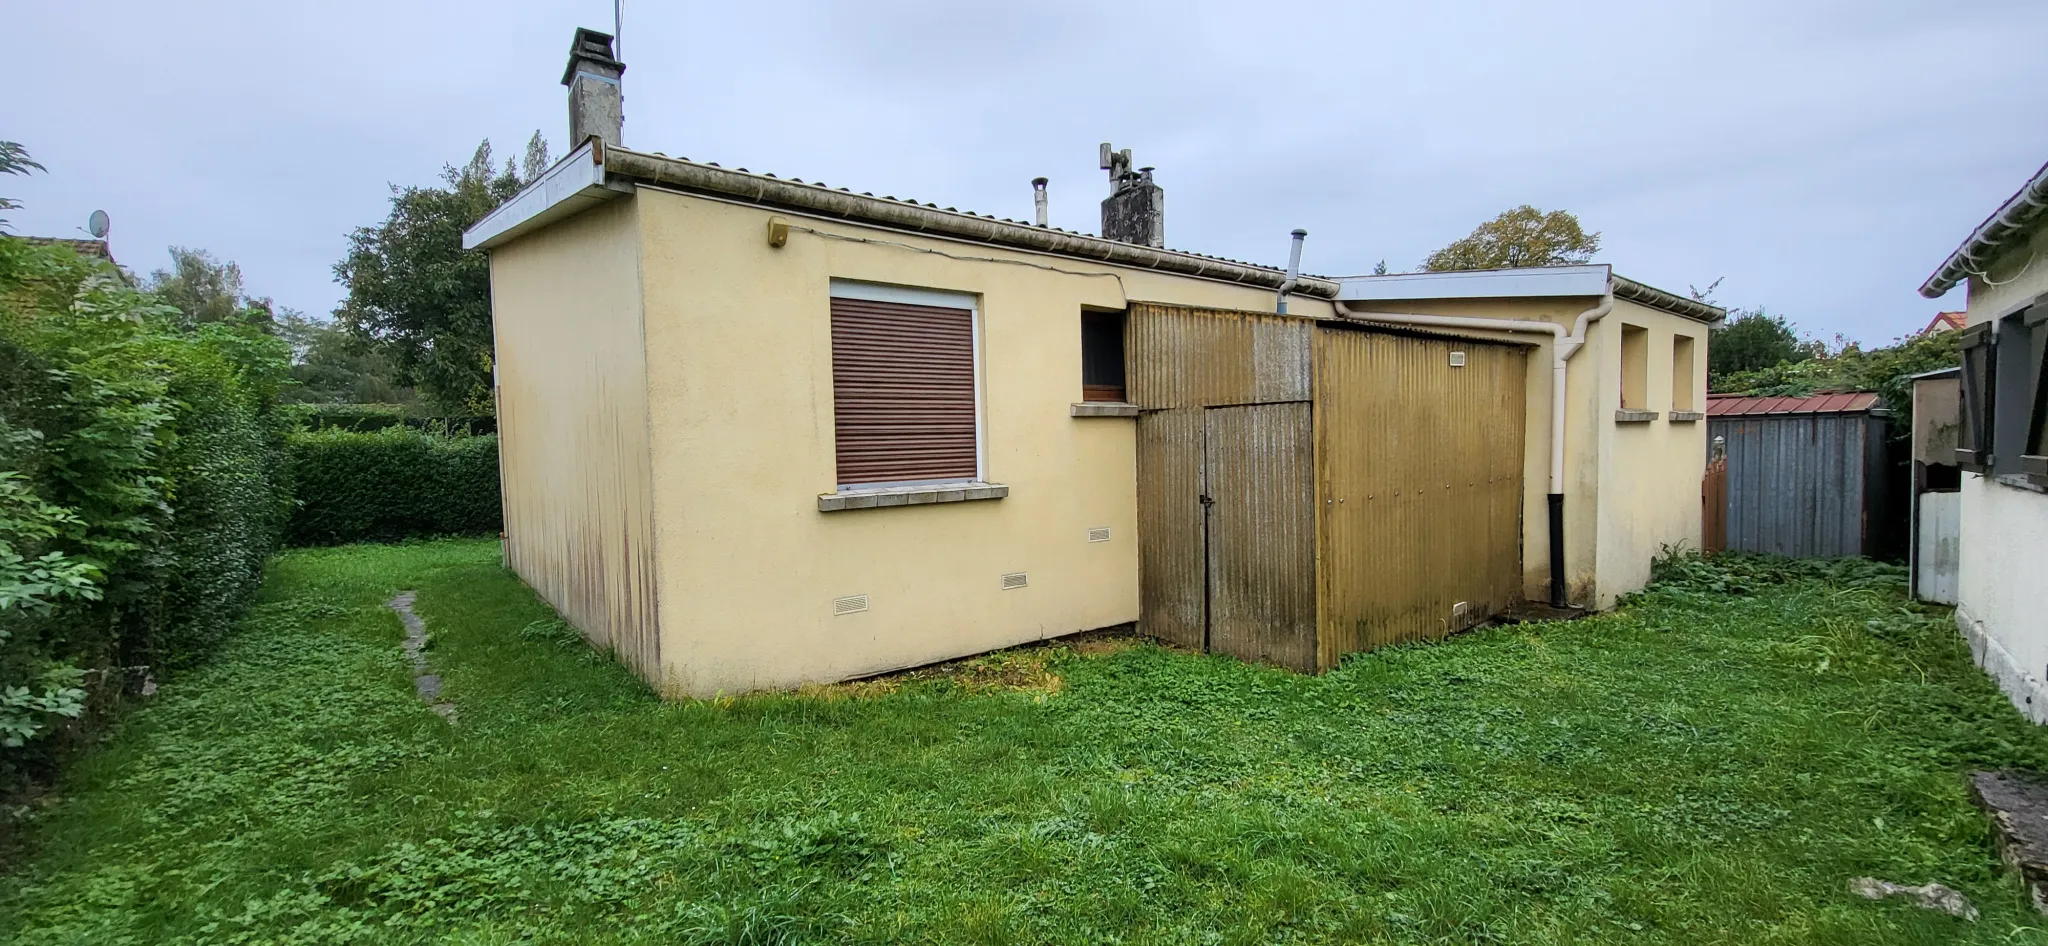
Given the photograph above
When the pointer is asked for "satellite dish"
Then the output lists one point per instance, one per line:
(98, 224)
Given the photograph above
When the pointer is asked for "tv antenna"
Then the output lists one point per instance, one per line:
(99, 224)
(618, 29)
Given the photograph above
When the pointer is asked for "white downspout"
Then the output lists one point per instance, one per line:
(1564, 346)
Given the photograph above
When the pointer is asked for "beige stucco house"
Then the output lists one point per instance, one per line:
(2001, 601)
(758, 432)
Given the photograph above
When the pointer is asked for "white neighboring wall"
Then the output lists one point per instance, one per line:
(2002, 606)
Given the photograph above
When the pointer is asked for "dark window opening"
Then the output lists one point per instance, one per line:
(1102, 356)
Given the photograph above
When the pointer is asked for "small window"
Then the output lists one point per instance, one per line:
(1682, 397)
(905, 408)
(1102, 356)
(1635, 367)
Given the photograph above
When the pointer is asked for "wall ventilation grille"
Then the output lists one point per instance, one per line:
(851, 604)
(1099, 535)
(1013, 581)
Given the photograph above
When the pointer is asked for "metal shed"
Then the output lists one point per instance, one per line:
(1808, 477)
(1308, 488)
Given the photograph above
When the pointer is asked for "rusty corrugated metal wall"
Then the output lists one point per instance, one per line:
(1419, 486)
(1181, 357)
(1180, 362)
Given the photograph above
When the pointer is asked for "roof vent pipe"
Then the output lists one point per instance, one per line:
(1293, 272)
(1038, 198)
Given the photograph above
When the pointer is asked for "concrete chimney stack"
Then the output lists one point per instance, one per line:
(596, 102)
(1135, 211)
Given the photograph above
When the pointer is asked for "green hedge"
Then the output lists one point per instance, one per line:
(391, 484)
(141, 490)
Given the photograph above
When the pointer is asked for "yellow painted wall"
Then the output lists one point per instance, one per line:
(572, 425)
(740, 392)
(1649, 472)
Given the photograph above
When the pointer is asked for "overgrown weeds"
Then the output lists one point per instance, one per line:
(1711, 764)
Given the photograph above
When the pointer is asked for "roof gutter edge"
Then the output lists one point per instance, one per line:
(1626, 288)
(1984, 243)
(775, 192)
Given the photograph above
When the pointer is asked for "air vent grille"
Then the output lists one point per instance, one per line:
(851, 604)
(1099, 534)
(1457, 359)
(1014, 581)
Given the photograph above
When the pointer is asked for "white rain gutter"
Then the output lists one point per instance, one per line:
(1564, 346)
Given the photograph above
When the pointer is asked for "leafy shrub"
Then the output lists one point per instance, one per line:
(391, 484)
(1888, 371)
(140, 485)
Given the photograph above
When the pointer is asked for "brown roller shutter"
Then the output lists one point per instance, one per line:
(902, 391)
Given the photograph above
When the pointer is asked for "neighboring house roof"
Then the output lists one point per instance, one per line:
(1946, 322)
(595, 173)
(1530, 282)
(1997, 233)
(93, 248)
(1854, 402)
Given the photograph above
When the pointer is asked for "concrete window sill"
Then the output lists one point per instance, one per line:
(1103, 409)
(909, 496)
(2023, 481)
(1687, 417)
(1628, 416)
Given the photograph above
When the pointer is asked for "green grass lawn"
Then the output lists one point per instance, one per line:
(1709, 765)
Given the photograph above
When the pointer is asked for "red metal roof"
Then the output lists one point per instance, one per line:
(1855, 402)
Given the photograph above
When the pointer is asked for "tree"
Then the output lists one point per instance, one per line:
(206, 290)
(333, 366)
(1752, 339)
(14, 159)
(417, 296)
(1520, 237)
(537, 159)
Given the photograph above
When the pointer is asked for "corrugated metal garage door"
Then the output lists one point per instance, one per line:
(1419, 467)
(903, 392)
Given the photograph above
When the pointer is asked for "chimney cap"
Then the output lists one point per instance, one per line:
(595, 48)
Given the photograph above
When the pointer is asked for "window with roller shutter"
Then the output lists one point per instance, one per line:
(903, 389)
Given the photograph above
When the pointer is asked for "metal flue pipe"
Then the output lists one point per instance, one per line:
(1038, 198)
(1293, 272)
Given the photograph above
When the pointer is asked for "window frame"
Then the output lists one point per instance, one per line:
(863, 291)
(1089, 392)
(1977, 400)
(2033, 449)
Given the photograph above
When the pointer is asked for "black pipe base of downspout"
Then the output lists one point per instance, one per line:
(1557, 550)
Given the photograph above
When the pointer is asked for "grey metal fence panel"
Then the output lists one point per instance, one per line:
(1796, 482)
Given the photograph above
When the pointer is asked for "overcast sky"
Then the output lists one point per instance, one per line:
(1823, 157)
